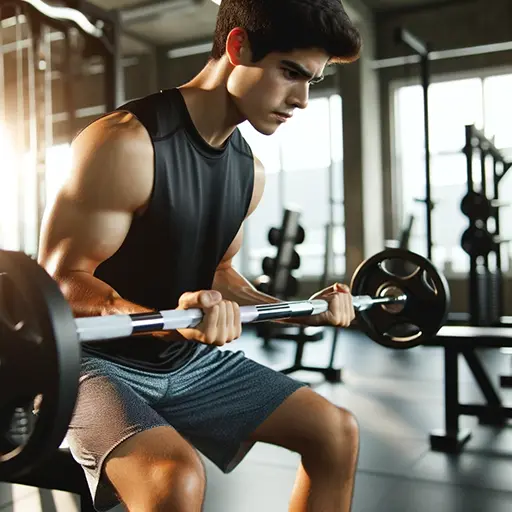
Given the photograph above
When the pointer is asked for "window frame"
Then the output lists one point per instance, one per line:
(396, 188)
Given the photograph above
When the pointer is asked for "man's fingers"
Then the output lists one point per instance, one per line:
(237, 320)
(211, 322)
(347, 313)
(199, 299)
(335, 307)
(341, 288)
(341, 310)
(233, 325)
(210, 298)
(224, 327)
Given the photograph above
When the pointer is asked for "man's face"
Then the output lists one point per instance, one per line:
(266, 93)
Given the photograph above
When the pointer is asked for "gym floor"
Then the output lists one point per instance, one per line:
(397, 398)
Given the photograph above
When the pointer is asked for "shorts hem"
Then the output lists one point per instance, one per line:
(243, 448)
(103, 504)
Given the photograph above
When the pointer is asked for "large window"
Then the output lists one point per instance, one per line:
(483, 101)
(18, 193)
(303, 163)
(9, 210)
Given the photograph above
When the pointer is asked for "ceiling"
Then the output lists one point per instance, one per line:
(179, 22)
(166, 22)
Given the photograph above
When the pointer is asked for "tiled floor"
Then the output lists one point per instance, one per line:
(397, 398)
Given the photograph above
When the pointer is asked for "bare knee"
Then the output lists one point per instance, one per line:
(349, 426)
(157, 471)
(336, 440)
(173, 485)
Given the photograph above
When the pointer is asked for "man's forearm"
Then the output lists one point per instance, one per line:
(89, 296)
(235, 287)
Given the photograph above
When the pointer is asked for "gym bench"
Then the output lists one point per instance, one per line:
(464, 340)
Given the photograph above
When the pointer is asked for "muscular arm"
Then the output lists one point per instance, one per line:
(110, 181)
(235, 287)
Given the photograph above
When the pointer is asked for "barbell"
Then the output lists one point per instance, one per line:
(400, 298)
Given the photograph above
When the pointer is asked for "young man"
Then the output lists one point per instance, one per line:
(150, 219)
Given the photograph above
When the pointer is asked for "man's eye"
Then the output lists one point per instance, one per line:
(290, 75)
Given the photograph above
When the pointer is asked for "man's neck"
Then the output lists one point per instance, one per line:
(209, 104)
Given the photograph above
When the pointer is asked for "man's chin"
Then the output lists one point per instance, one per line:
(265, 128)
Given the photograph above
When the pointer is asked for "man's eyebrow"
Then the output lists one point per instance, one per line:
(302, 71)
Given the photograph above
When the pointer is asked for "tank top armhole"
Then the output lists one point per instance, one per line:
(250, 187)
(151, 197)
(240, 145)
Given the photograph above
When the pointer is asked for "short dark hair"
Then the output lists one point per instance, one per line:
(287, 25)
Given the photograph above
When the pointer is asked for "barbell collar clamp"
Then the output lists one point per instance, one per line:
(364, 302)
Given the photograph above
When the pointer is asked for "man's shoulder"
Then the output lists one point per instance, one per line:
(114, 127)
(148, 101)
(156, 112)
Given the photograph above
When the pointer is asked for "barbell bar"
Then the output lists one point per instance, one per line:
(99, 328)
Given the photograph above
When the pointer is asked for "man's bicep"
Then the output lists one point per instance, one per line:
(78, 237)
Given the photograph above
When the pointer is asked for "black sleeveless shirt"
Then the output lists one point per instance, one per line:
(199, 200)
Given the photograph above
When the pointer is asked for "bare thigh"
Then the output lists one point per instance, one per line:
(150, 466)
(307, 423)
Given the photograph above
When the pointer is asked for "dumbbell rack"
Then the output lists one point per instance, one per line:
(481, 240)
(278, 280)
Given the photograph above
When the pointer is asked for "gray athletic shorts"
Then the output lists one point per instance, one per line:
(215, 401)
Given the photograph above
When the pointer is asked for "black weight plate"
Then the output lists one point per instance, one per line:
(427, 305)
(301, 235)
(476, 206)
(274, 236)
(39, 360)
(295, 261)
(477, 241)
(268, 266)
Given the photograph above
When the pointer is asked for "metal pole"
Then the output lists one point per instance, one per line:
(425, 74)
(423, 51)
(3, 125)
(499, 295)
(468, 151)
(71, 53)
(48, 105)
(114, 72)
(473, 295)
(20, 130)
(330, 229)
(31, 172)
(43, 142)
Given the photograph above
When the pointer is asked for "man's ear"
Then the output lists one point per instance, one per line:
(237, 47)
